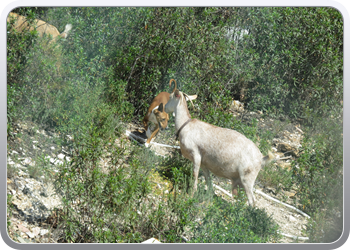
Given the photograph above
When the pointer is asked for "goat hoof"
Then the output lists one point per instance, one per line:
(146, 145)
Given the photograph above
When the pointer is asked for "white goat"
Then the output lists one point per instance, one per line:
(225, 152)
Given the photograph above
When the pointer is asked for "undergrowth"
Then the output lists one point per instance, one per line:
(117, 59)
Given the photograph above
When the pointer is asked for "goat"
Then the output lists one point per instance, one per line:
(157, 115)
(20, 23)
(52, 49)
(224, 152)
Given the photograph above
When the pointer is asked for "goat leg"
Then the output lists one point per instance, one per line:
(196, 167)
(207, 178)
(248, 187)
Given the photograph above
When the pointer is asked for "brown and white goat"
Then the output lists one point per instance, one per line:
(224, 152)
(157, 115)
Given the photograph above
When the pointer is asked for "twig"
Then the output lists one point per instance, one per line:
(293, 237)
(284, 158)
(131, 136)
(165, 145)
(128, 133)
(133, 68)
(299, 130)
(287, 205)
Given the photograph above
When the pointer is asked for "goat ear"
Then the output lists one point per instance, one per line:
(160, 108)
(177, 93)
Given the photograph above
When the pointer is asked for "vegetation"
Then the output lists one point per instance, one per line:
(286, 62)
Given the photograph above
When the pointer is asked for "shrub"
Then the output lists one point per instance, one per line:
(319, 174)
(18, 45)
(234, 223)
(309, 43)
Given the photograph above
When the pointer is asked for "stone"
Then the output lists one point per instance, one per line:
(151, 240)
(30, 234)
(285, 147)
(22, 228)
(61, 156)
(43, 232)
(237, 106)
(36, 231)
(292, 219)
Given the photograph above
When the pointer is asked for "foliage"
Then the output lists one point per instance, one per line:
(172, 167)
(170, 43)
(299, 60)
(319, 174)
(283, 61)
(235, 223)
(18, 44)
(115, 204)
(218, 53)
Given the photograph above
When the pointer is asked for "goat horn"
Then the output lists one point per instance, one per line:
(188, 99)
(171, 80)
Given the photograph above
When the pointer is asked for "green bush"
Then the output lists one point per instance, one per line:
(115, 204)
(318, 172)
(299, 58)
(234, 223)
(18, 45)
(134, 52)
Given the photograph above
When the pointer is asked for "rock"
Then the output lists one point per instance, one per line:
(61, 156)
(30, 201)
(10, 162)
(286, 147)
(56, 162)
(28, 161)
(21, 240)
(43, 232)
(237, 106)
(151, 240)
(30, 234)
(290, 194)
(36, 231)
(285, 165)
(292, 219)
(22, 228)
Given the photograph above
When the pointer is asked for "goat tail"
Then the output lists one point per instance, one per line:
(268, 158)
(64, 34)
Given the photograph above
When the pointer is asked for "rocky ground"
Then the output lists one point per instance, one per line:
(36, 205)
